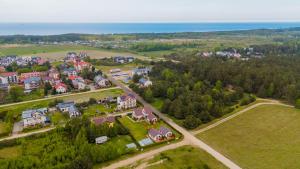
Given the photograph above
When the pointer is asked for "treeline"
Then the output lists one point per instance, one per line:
(278, 35)
(71, 147)
(159, 46)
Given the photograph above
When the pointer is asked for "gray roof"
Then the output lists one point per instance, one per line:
(65, 105)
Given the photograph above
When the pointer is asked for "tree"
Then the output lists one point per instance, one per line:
(297, 104)
(171, 93)
(47, 87)
(191, 122)
(148, 95)
(16, 93)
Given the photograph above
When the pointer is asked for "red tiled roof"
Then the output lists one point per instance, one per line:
(6, 74)
(60, 85)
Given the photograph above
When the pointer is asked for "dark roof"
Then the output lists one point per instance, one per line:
(138, 112)
(151, 116)
(102, 120)
(153, 132)
(128, 96)
(163, 130)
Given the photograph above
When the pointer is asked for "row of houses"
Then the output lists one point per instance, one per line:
(123, 59)
(21, 61)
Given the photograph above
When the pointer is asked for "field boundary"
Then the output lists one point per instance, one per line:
(272, 102)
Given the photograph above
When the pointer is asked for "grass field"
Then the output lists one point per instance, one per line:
(186, 157)
(123, 67)
(10, 152)
(3, 127)
(264, 137)
(92, 110)
(158, 103)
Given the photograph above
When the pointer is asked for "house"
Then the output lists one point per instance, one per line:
(79, 66)
(155, 135)
(61, 88)
(3, 83)
(166, 132)
(24, 76)
(2, 69)
(126, 102)
(145, 82)
(32, 83)
(35, 117)
(12, 77)
(122, 59)
(53, 73)
(141, 71)
(101, 81)
(101, 120)
(79, 83)
(115, 70)
(70, 108)
(144, 114)
(101, 140)
(70, 71)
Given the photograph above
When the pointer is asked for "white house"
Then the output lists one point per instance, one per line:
(145, 82)
(101, 81)
(126, 102)
(34, 117)
(70, 108)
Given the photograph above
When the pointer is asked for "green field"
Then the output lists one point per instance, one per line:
(10, 152)
(186, 157)
(264, 137)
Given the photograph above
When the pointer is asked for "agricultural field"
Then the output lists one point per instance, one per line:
(182, 157)
(263, 137)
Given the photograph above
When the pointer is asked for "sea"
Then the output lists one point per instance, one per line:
(127, 28)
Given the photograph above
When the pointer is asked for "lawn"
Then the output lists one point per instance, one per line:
(58, 118)
(182, 157)
(123, 67)
(139, 130)
(264, 137)
(10, 152)
(92, 110)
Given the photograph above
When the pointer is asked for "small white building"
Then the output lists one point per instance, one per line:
(101, 140)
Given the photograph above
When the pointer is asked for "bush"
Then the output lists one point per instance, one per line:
(191, 122)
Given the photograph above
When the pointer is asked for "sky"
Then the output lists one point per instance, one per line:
(98, 11)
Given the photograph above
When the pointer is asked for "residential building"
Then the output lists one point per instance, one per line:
(102, 120)
(4, 83)
(126, 102)
(155, 135)
(35, 117)
(144, 114)
(32, 83)
(53, 73)
(123, 59)
(166, 132)
(61, 88)
(143, 82)
(101, 81)
(79, 83)
(141, 71)
(12, 77)
(79, 66)
(70, 71)
(24, 76)
(70, 108)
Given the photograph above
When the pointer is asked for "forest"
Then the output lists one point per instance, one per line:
(207, 88)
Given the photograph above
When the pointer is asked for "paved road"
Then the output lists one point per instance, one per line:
(237, 114)
(188, 137)
(59, 96)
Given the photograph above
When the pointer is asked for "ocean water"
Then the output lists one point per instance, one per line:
(121, 28)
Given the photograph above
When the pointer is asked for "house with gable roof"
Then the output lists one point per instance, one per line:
(126, 101)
